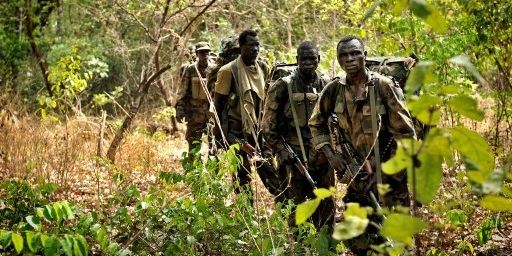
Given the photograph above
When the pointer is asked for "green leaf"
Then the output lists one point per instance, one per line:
(48, 215)
(467, 107)
(67, 244)
(305, 210)
(34, 222)
(420, 75)
(419, 8)
(322, 193)
(57, 212)
(353, 209)
(473, 147)
(351, 227)
(426, 109)
(428, 177)
(17, 240)
(80, 246)
(456, 217)
(401, 227)
(400, 6)
(464, 61)
(51, 245)
(66, 208)
(429, 14)
(5, 238)
(32, 240)
(496, 203)
(400, 161)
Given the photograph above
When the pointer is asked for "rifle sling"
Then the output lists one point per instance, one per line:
(373, 109)
(296, 120)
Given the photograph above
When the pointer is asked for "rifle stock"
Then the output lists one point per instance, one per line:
(297, 162)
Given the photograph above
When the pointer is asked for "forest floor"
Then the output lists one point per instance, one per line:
(65, 154)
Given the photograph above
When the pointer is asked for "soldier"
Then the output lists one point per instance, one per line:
(349, 98)
(192, 103)
(238, 96)
(288, 107)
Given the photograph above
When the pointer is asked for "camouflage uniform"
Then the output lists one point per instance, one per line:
(355, 120)
(278, 121)
(192, 103)
(231, 120)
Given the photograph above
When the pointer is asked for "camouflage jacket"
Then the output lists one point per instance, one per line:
(354, 115)
(191, 95)
(278, 117)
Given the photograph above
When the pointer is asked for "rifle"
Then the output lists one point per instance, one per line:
(347, 151)
(297, 162)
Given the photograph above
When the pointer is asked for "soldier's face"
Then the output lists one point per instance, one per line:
(250, 49)
(308, 61)
(351, 56)
(202, 57)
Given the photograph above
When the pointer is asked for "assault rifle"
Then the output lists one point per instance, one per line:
(297, 162)
(346, 150)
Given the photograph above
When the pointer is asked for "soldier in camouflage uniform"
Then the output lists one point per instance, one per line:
(192, 103)
(238, 95)
(348, 98)
(278, 122)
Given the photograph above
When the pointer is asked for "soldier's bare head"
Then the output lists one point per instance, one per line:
(308, 58)
(249, 46)
(351, 55)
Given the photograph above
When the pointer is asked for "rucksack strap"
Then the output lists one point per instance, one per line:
(289, 81)
(375, 129)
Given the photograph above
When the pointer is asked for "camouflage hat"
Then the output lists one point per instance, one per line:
(229, 43)
(203, 46)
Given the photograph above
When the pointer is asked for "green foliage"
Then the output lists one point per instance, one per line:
(354, 223)
(456, 217)
(307, 208)
(484, 231)
(401, 227)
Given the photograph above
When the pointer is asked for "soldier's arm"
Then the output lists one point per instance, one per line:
(183, 94)
(400, 121)
(273, 113)
(318, 123)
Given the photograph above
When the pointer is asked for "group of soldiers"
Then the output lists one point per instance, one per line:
(293, 119)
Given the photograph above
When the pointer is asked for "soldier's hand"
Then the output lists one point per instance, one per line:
(335, 161)
(247, 148)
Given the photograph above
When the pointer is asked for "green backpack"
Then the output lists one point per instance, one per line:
(396, 67)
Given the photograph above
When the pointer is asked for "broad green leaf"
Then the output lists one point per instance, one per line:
(34, 222)
(497, 203)
(66, 209)
(48, 213)
(353, 209)
(456, 217)
(17, 240)
(80, 246)
(51, 245)
(32, 240)
(67, 244)
(420, 75)
(322, 193)
(420, 8)
(467, 107)
(5, 238)
(401, 227)
(473, 147)
(57, 212)
(400, 161)
(428, 177)
(464, 61)
(400, 6)
(351, 227)
(426, 109)
(102, 238)
(305, 210)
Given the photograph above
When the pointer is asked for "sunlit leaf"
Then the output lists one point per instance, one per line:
(428, 177)
(80, 246)
(426, 109)
(322, 193)
(51, 245)
(467, 107)
(353, 209)
(497, 203)
(429, 14)
(32, 241)
(399, 162)
(351, 227)
(420, 75)
(66, 208)
(464, 61)
(5, 238)
(401, 227)
(400, 6)
(472, 146)
(34, 222)
(67, 244)
(456, 217)
(17, 241)
(305, 210)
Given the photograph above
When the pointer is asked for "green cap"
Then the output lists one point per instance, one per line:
(203, 46)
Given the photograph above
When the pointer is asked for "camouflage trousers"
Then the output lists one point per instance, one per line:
(196, 126)
(358, 192)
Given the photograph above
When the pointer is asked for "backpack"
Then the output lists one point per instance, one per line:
(398, 68)
(280, 70)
